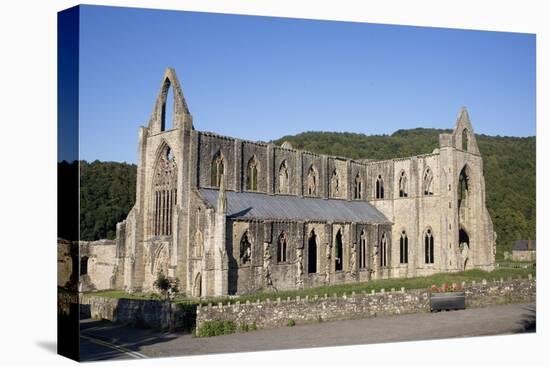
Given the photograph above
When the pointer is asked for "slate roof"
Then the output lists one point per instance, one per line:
(522, 245)
(250, 205)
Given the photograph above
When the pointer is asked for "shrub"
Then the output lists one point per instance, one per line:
(215, 328)
(243, 327)
(253, 326)
(290, 323)
(229, 327)
(167, 286)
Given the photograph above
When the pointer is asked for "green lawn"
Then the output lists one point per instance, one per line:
(339, 289)
(515, 264)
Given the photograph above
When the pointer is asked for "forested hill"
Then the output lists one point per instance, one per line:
(107, 193)
(108, 188)
(509, 169)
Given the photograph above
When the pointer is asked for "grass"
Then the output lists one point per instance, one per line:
(515, 264)
(339, 289)
(215, 328)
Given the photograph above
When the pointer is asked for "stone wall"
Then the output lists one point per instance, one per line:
(151, 314)
(98, 258)
(101, 265)
(525, 255)
(491, 293)
(268, 314)
(276, 313)
(66, 260)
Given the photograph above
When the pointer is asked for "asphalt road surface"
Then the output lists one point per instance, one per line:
(103, 340)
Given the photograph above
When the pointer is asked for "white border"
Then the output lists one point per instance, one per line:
(28, 179)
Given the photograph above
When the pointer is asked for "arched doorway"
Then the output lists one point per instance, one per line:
(197, 288)
(312, 253)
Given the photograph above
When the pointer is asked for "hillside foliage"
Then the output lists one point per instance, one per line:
(108, 188)
(107, 193)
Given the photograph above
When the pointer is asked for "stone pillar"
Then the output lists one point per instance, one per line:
(118, 281)
(376, 252)
(326, 244)
(299, 174)
(324, 177)
(136, 273)
(238, 157)
(267, 254)
(269, 169)
(349, 181)
(220, 254)
(354, 250)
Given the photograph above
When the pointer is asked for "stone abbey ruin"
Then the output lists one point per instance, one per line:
(228, 216)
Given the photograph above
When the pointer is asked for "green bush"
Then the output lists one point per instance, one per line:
(290, 323)
(253, 326)
(229, 327)
(243, 327)
(215, 328)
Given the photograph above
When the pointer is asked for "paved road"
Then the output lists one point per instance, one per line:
(506, 319)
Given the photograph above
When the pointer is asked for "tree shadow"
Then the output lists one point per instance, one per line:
(528, 322)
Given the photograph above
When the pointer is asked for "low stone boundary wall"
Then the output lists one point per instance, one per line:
(269, 313)
(501, 292)
(151, 314)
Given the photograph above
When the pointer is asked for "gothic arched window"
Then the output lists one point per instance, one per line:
(463, 187)
(281, 247)
(338, 252)
(199, 243)
(358, 187)
(164, 192)
(284, 181)
(252, 174)
(383, 253)
(403, 187)
(216, 170)
(379, 187)
(84, 265)
(312, 181)
(167, 108)
(312, 253)
(428, 182)
(429, 247)
(335, 184)
(245, 249)
(404, 248)
(363, 250)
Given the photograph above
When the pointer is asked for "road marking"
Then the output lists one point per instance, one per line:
(118, 348)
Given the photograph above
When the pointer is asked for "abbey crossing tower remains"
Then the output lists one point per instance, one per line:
(229, 216)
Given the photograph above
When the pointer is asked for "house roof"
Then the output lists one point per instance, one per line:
(523, 245)
(251, 205)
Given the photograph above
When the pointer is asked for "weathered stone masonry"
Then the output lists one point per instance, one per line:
(228, 216)
(276, 313)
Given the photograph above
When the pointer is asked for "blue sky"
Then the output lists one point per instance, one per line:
(261, 78)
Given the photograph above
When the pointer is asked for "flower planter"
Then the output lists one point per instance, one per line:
(447, 301)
